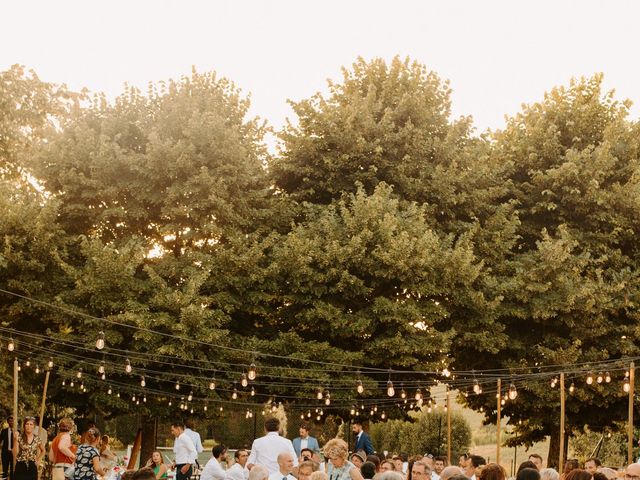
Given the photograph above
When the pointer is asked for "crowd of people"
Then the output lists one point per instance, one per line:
(271, 457)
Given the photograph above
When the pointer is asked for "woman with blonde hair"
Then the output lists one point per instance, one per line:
(338, 467)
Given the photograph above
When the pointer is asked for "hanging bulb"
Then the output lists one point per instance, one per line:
(446, 372)
(589, 378)
(253, 392)
(403, 394)
(221, 408)
(19, 367)
(133, 397)
(318, 418)
(64, 382)
(109, 391)
(252, 372)
(11, 346)
(234, 395)
(319, 394)
(143, 382)
(390, 390)
(476, 388)
(327, 400)
(37, 369)
(170, 403)
(205, 408)
(353, 410)
(50, 363)
(513, 393)
(502, 402)
(103, 376)
(572, 388)
(626, 386)
(100, 341)
(79, 374)
(190, 396)
(101, 368)
(127, 366)
(71, 383)
(177, 385)
(418, 395)
(371, 412)
(212, 384)
(191, 411)
(118, 394)
(244, 382)
(600, 378)
(383, 416)
(607, 377)
(359, 387)
(28, 362)
(309, 414)
(274, 409)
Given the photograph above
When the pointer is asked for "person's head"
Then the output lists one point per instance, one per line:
(420, 471)
(570, 464)
(390, 476)
(610, 473)
(304, 430)
(398, 462)
(591, 465)
(177, 428)
(528, 473)
(375, 460)
(28, 424)
(10, 421)
(450, 472)
(493, 471)
(105, 440)
(258, 472)
(387, 466)
(92, 436)
(438, 464)
(219, 452)
(306, 454)
(527, 464)
(474, 462)
(65, 424)
(272, 424)
(549, 474)
(599, 476)
(145, 473)
(460, 476)
(319, 476)
(368, 470)
(241, 456)
(632, 472)
(285, 462)
(128, 475)
(463, 460)
(537, 460)
(189, 423)
(306, 468)
(358, 458)
(428, 459)
(578, 474)
(356, 428)
(336, 451)
(156, 458)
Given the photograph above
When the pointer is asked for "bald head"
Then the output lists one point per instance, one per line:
(450, 471)
(285, 462)
(632, 470)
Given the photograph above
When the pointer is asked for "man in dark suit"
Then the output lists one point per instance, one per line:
(6, 439)
(363, 441)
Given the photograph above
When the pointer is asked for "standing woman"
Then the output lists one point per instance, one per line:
(61, 454)
(338, 467)
(28, 451)
(87, 465)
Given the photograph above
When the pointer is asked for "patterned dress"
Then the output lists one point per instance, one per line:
(26, 468)
(84, 463)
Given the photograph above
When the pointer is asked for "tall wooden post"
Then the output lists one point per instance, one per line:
(562, 399)
(16, 423)
(499, 404)
(448, 426)
(632, 377)
(44, 398)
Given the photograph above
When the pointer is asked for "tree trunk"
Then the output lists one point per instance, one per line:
(149, 430)
(554, 447)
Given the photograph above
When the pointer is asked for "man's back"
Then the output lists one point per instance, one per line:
(265, 451)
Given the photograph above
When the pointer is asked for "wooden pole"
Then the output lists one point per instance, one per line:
(135, 451)
(562, 400)
(448, 426)
(44, 400)
(499, 404)
(16, 423)
(632, 377)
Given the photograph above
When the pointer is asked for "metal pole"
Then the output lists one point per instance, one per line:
(448, 426)
(632, 376)
(499, 405)
(562, 398)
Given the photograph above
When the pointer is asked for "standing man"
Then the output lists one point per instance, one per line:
(591, 465)
(6, 438)
(265, 450)
(194, 436)
(438, 465)
(474, 462)
(238, 470)
(184, 450)
(537, 461)
(285, 467)
(213, 470)
(305, 441)
(363, 441)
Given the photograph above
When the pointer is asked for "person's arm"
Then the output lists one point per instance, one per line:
(40, 452)
(251, 461)
(96, 465)
(198, 443)
(65, 447)
(161, 471)
(355, 474)
(52, 457)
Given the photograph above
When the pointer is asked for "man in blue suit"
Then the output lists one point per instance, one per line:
(305, 440)
(363, 441)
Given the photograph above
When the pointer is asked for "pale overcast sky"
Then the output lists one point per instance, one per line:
(497, 54)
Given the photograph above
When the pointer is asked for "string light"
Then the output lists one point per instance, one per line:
(383, 415)
(101, 368)
(327, 399)
(109, 391)
(589, 378)
(79, 374)
(554, 381)
(28, 362)
(100, 341)
(103, 377)
(11, 346)
(607, 377)
(390, 390)
(253, 392)
(37, 369)
(252, 372)
(244, 382)
(319, 394)
(359, 387)
(127, 366)
(234, 395)
(418, 394)
(143, 382)
(572, 388)
(403, 394)
(212, 384)
(177, 385)
(64, 382)
(71, 383)
(626, 386)
(190, 396)
(513, 392)
(50, 363)
(600, 378)
(477, 389)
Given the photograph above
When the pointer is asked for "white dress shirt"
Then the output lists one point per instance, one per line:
(195, 438)
(237, 472)
(304, 443)
(279, 476)
(213, 471)
(265, 451)
(184, 449)
(435, 476)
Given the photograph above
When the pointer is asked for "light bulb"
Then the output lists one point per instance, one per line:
(244, 382)
(170, 403)
(252, 372)
(589, 379)
(319, 394)
(118, 394)
(71, 383)
(221, 408)
(502, 402)
(205, 408)
(383, 416)
(476, 388)
(553, 383)
(50, 363)
(600, 378)
(191, 411)
(133, 397)
(64, 382)
(109, 391)
(234, 395)
(390, 390)
(82, 386)
(359, 387)
(309, 414)
(177, 385)
(101, 367)
(626, 386)
(572, 388)
(143, 382)
(253, 392)
(127, 366)
(513, 393)
(190, 396)
(11, 346)
(607, 377)
(103, 377)
(327, 401)
(318, 418)
(37, 369)
(446, 372)
(352, 411)
(79, 374)
(212, 385)
(403, 394)
(100, 341)
(418, 395)
(28, 362)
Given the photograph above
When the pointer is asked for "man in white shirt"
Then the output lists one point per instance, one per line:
(238, 470)
(285, 467)
(438, 465)
(193, 435)
(184, 450)
(265, 450)
(213, 469)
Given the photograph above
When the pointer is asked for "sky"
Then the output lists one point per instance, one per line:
(496, 54)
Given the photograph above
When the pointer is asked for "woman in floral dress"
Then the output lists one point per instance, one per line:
(87, 465)
(28, 451)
